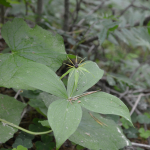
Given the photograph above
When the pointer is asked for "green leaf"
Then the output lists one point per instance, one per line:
(34, 44)
(41, 77)
(78, 147)
(64, 119)
(143, 133)
(44, 123)
(148, 27)
(102, 35)
(122, 78)
(104, 103)
(66, 73)
(131, 132)
(109, 24)
(46, 143)
(10, 110)
(28, 45)
(147, 114)
(30, 94)
(39, 105)
(5, 3)
(111, 80)
(20, 147)
(143, 119)
(93, 136)
(113, 28)
(23, 139)
(86, 79)
(76, 75)
(36, 126)
(71, 56)
(83, 69)
(134, 117)
(115, 118)
(48, 98)
(126, 124)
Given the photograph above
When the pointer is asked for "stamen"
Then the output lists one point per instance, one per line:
(81, 60)
(76, 59)
(82, 65)
(70, 61)
(69, 65)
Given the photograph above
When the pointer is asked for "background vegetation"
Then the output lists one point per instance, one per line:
(113, 33)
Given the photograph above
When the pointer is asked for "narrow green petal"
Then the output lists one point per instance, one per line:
(66, 73)
(76, 77)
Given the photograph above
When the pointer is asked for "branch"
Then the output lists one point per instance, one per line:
(127, 100)
(66, 15)
(140, 145)
(17, 94)
(123, 11)
(136, 103)
(39, 10)
(141, 7)
(26, 5)
(90, 40)
(145, 127)
(77, 10)
(2, 14)
(91, 12)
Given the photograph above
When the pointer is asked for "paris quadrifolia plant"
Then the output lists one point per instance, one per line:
(72, 112)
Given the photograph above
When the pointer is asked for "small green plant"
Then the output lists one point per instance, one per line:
(20, 147)
(72, 113)
(144, 133)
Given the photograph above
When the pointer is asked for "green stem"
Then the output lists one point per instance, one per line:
(22, 129)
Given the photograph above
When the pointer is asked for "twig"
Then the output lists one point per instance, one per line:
(91, 48)
(22, 99)
(140, 145)
(131, 96)
(141, 7)
(78, 3)
(2, 14)
(123, 11)
(139, 90)
(123, 94)
(24, 111)
(39, 10)
(66, 15)
(129, 102)
(17, 94)
(136, 103)
(91, 12)
(26, 5)
(145, 127)
(90, 40)
(82, 39)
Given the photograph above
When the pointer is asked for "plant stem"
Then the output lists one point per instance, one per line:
(22, 129)
(66, 15)
(39, 10)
